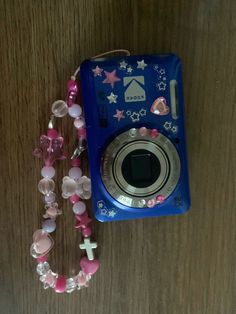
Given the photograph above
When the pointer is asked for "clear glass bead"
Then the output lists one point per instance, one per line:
(42, 268)
(70, 285)
(48, 279)
(59, 108)
(46, 186)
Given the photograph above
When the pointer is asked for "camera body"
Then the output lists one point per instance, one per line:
(134, 112)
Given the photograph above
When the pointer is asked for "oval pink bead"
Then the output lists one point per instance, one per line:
(81, 133)
(154, 133)
(79, 122)
(87, 232)
(75, 111)
(160, 198)
(76, 162)
(60, 286)
(89, 267)
(72, 86)
(42, 259)
(48, 172)
(75, 173)
(52, 133)
(79, 208)
(74, 198)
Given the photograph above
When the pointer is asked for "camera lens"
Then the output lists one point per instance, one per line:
(136, 168)
(141, 168)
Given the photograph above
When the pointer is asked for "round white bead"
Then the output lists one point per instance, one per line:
(79, 122)
(79, 208)
(48, 172)
(75, 173)
(49, 225)
(75, 111)
(59, 108)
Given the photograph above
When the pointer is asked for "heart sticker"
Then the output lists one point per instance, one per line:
(159, 107)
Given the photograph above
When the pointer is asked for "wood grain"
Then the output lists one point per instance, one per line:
(168, 265)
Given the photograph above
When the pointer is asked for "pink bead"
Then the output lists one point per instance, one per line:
(43, 245)
(74, 198)
(50, 198)
(52, 133)
(143, 131)
(72, 86)
(87, 232)
(81, 133)
(60, 286)
(82, 280)
(89, 267)
(48, 172)
(79, 208)
(75, 111)
(160, 198)
(75, 173)
(151, 203)
(42, 259)
(154, 133)
(79, 122)
(76, 162)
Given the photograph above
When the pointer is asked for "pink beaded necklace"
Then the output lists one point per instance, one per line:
(75, 187)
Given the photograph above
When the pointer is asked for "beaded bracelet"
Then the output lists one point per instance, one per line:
(75, 187)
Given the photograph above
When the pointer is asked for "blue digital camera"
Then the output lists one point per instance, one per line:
(134, 112)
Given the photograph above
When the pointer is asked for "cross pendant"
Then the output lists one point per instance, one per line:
(88, 246)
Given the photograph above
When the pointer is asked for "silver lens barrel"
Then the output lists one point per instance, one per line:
(125, 191)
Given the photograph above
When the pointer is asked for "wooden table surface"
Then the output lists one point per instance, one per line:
(168, 265)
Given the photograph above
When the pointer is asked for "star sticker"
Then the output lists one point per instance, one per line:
(129, 69)
(134, 116)
(82, 220)
(103, 211)
(119, 115)
(112, 98)
(162, 71)
(111, 78)
(101, 204)
(112, 213)
(141, 65)
(142, 112)
(161, 86)
(97, 71)
(123, 65)
(174, 129)
(156, 67)
(167, 125)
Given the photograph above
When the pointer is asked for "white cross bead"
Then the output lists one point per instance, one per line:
(88, 246)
